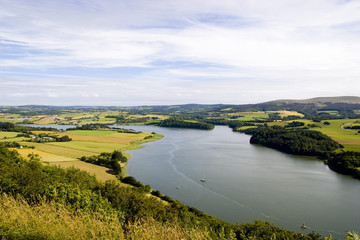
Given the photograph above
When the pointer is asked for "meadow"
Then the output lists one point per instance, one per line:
(84, 143)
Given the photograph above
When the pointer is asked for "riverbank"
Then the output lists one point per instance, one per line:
(84, 143)
(304, 142)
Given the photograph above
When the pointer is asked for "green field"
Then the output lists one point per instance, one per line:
(247, 116)
(347, 137)
(8, 134)
(84, 143)
(93, 147)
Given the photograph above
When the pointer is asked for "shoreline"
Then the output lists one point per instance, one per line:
(137, 145)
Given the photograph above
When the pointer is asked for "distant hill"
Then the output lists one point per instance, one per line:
(321, 100)
(307, 107)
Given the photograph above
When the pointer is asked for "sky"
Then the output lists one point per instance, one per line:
(165, 52)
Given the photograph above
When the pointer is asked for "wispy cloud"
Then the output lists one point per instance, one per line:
(229, 51)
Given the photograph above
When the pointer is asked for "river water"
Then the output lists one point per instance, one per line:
(246, 182)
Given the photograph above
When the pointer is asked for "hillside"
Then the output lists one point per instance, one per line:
(321, 100)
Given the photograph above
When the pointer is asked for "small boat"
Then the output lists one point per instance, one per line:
(202, 180)
(303, 226)
(177, 187)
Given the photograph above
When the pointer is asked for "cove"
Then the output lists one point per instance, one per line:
(246, 182)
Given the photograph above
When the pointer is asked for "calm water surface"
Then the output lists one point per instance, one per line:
(246, 182)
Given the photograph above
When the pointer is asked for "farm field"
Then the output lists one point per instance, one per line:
(248, 116)
(285, 113)
(84, 143)
(350, 138)
(260, 115)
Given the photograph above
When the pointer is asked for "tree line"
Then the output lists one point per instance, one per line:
(294, 141)
(171, 122)
(109, 160)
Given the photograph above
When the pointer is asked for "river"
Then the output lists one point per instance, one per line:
(246, 182)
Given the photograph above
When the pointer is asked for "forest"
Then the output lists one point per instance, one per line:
(345, 162)
(185, 124)
(293, 141)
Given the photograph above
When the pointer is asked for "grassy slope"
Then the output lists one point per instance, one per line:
(19, 220)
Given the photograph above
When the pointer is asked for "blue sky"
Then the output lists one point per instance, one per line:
(140, 52)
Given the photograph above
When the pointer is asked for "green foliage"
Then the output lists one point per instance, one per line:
(352, 236)
(295, 124)
(10, 127)
(346, 162)
(171, 122)
(51, 220)
(64, 138)
(123, 130)
(266, 230)
(294, 141)
(89, 127)
(11, 144)
(237, 124)
(110, 160)
(132, 181)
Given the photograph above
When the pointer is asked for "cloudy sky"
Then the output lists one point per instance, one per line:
(150, 52)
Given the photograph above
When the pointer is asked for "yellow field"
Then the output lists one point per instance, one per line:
(285, 113)
(46, 119)
(58, 150)
(101, 173)
(26, 151)
(84, 143)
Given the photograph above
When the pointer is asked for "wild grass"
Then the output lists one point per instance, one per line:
(19, 220)
(49, 220)
(150, 229)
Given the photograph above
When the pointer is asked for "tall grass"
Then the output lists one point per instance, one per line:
(44, 220)
(19, 220)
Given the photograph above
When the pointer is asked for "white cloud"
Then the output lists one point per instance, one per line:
(255, 46)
